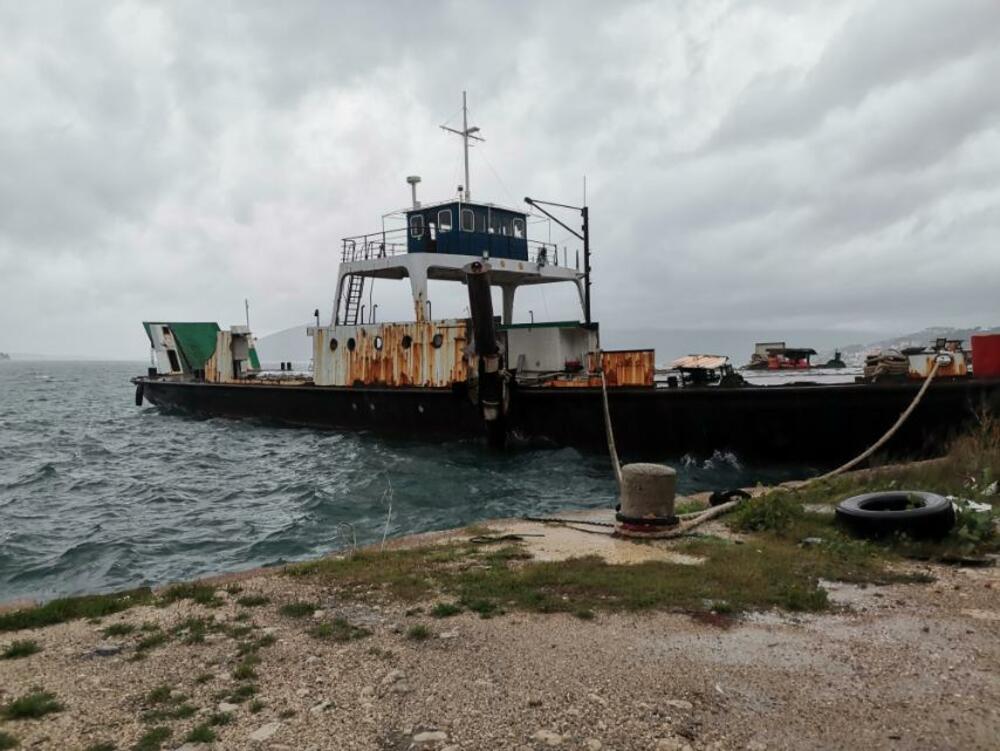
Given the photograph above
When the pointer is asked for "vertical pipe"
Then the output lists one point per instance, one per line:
(586, 262)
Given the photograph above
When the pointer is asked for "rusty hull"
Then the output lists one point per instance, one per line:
(391, 354)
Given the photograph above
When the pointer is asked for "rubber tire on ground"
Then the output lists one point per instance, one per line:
(138, 394)
(887, 513)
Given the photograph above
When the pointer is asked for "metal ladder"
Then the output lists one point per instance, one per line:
(355, 289)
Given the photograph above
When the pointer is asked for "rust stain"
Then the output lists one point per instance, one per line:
(380, 358)
(628, 367)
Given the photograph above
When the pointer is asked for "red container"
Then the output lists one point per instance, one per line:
(986, 355)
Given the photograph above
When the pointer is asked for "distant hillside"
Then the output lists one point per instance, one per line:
(855, 353)
(288, 345)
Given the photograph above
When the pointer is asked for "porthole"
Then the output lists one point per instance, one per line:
(333, 345)
(407, 341)
(378, 342)
(351, 344)
(437, 341)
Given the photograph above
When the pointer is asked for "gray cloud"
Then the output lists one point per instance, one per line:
(749, 164)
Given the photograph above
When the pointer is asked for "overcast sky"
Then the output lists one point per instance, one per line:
(749, 164)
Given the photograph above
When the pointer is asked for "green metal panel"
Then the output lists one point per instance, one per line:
(195, 340)
(254, 360)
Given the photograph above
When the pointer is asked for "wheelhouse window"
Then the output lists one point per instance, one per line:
(417, 226)
(444, 220)
(468, 220)
(519, 229)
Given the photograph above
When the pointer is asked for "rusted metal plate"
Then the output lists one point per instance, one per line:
(709, 362)
(421, 353)
(922, 363)
(628, 367)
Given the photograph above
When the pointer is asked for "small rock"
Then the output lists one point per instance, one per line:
(809, 542)
(448, 635)
(548, 738)
(107, 649)
(598, 699)
(534, 702)
(679, 704)
(225, 706)
(268, 630)
(311, 659)
(367, 693)
(393, 676)
(265, 731)
(319, 614)
(429, 738)
(321, 707)
(302, 692)
(401, 687)
(592, 744)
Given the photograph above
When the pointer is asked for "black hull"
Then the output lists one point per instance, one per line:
(825, 424)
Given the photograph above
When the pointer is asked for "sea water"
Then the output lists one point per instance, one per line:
(97, 494)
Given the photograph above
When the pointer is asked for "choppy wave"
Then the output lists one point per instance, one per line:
(97, 494)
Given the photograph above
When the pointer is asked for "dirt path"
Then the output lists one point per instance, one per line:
(900, 667)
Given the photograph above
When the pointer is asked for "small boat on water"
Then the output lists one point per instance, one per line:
(525, 382)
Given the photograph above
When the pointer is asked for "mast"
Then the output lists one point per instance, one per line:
(466, 133)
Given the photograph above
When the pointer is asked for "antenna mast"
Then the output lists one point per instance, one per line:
(466, 133)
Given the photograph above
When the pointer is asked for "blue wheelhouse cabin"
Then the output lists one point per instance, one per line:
(467, 229)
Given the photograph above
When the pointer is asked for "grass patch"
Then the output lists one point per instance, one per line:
(160, 695)
(119, 629)
(202, 733)
(418, 632)
(253, 601)
(103, 746)
(194, 629)
(31, 706)
(241, 693)
(256, 706)
(220, 718)
(445, 609)
(284, 714)
(204, 678)
(298, 609)
(252, 647)
(153, 740)
(20, 648)
(234, 589)
(202, 594)
(244, 670)
(584, 614)
(7, 741)
(73, 608)
(338, 630)
(154, 640)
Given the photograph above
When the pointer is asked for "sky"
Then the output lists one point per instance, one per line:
(762, 165)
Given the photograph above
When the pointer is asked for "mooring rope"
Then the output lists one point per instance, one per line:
(889, 433)
(611, 433)
(697, 519)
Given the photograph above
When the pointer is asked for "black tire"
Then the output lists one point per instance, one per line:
(138, 394)
(911, 512)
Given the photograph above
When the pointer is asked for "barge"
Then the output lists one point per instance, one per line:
(538, 383)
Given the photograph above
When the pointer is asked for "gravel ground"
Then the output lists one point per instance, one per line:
(899, 667)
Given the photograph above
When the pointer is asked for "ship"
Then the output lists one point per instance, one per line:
(537, 383)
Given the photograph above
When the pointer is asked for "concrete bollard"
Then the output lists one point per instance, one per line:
(647, 497)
